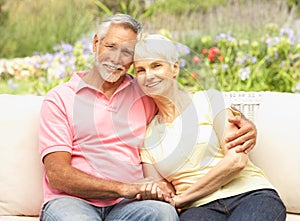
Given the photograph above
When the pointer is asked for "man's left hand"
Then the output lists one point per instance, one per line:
(245, 136)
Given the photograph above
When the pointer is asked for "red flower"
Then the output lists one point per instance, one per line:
(211, 56)
(214, 50)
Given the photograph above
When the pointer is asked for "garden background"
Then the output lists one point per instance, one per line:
(234, 45)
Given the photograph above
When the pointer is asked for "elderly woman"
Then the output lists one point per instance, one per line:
(185, 146)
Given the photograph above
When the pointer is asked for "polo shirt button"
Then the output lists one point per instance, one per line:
(110, 108)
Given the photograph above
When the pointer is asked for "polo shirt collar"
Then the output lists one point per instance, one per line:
(77, 84)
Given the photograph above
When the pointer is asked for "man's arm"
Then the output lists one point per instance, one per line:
(64, 177)
(245, 137)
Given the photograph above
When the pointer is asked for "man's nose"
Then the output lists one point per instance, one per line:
(116, 57)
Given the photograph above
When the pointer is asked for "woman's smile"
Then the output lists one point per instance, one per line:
(153, 84)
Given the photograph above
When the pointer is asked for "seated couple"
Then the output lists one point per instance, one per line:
(194, 154)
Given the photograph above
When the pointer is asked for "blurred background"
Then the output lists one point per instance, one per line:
(240, 44)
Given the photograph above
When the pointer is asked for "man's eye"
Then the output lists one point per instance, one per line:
(110, 46)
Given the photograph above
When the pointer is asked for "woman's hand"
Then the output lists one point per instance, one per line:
(156, 191)
(176, 202)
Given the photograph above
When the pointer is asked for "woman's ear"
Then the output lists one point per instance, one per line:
(176, 69)
(95, 42)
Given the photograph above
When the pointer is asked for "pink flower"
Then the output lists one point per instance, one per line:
(196, 59)
(194, 75)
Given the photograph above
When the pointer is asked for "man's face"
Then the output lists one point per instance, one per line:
(114, 55)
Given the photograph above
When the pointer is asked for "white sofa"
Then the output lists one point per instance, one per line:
(277, 116)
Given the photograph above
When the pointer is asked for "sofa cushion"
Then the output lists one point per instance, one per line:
(278, 144)
(21, 169)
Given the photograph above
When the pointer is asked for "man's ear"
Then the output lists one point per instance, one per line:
(95, 42)
(176, 69)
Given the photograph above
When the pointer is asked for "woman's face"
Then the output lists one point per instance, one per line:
(156, 76)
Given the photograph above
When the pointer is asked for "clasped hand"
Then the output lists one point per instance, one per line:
(159, 190)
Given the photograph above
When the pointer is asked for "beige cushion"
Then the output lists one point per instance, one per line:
(289, 217)
(20, 218)
(278, 145)
(21, 169)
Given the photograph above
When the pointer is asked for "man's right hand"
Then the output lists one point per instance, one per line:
(161, 190)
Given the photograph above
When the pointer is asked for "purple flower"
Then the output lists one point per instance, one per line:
(12, 84)
(224, 36)
(182, 63)
(244, 73)
(289, 33)
(66, 48)
(183, 49)
(225, 66)
(272, 41)
(253, 59)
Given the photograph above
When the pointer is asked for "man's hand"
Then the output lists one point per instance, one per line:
(245, 136)
(156, 191)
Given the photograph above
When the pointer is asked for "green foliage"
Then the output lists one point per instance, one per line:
(181, 7)
(37, 25)
(3, 13)
(135, 8)
(292, 3)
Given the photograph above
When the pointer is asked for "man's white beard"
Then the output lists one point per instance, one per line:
(107, 75)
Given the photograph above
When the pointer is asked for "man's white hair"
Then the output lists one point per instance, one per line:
(120, 19)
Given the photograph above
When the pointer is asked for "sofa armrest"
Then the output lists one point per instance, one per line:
(277, 152)
(247, 102)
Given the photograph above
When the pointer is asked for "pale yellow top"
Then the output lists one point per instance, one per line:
(185, 150)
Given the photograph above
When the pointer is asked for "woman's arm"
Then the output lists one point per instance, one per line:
(157, 188)
(224, 172)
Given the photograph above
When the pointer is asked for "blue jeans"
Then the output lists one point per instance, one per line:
(258, 205)
(71, 209)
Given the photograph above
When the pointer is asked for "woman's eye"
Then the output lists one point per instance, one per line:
(140, 71)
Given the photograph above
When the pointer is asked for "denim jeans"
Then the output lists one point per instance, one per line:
(72, 209)
(258, 205)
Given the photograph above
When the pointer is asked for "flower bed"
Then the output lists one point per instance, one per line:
(225, 63)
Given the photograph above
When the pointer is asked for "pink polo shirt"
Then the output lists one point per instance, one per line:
(102, 134)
